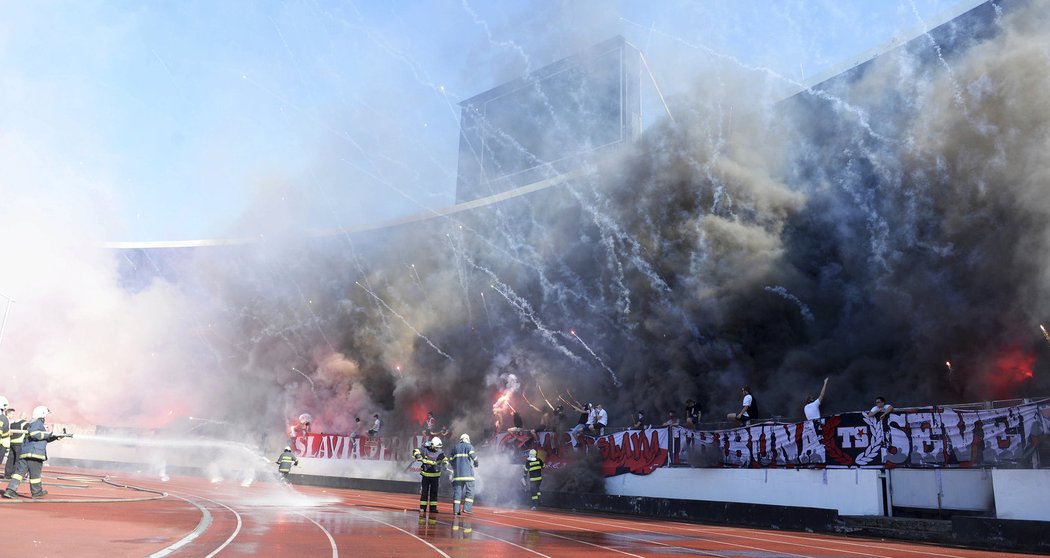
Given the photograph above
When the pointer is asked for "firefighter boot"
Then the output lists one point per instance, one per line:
(9, 494)
(39, 494)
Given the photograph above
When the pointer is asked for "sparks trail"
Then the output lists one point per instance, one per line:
(544, 396)
(305, 376)
(957, 95)
(524, 309)
(403, 320)
(1045, 334)
(614, 235)
(463, 283)
(616, 380)
(837, 102)
(419, 282)
(802, 308)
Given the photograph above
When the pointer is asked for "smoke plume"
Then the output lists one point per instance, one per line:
(869, 229)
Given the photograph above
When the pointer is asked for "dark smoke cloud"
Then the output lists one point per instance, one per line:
(869, 230)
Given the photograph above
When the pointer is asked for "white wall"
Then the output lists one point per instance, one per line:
(850, 491)
(960, 489)
(1022, 493)
(356, 468)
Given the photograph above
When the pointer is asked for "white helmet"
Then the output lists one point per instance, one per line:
(287, 448)
(3, 402)
(435, 442)
(465, 438)
(532, 455)
(40, 412)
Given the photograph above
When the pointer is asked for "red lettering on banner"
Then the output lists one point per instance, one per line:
(636, 453)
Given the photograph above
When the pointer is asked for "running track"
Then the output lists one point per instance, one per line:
(88, 514)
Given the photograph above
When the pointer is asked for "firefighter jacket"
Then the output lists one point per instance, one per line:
(285, 461)
(463, 462)
(431, 461)
(5, 430)
(534, 469)
(35, 445)
(18, 431)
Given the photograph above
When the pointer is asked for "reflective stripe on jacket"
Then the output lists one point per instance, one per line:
(18, 431)
(533, 469)
(285, 461)
(35, 446)
(463, 462)
(431, 461)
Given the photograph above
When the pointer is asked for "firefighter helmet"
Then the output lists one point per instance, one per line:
(465, 438)
(532, 455)
(40, 412)
(3, 402)
(287, 448)
(435, 443)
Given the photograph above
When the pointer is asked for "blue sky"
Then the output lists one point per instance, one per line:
(176, 120)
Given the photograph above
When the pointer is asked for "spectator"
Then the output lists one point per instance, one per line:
(812, 408)
(601, 420)
(429, 425)
(545, 422)
(639, 421)
(377, 425)
(692, 414)
(672, 419)
(881, 410)
(519, 425)
(748, 409)
(585, 414)
(497, 422)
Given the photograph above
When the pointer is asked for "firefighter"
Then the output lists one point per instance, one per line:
(464, 461)
(18, 435)
(534, 474)
(431, 460)
(285, 462)
(5, 428)
(32, 456)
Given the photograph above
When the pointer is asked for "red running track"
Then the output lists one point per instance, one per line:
(87, 514)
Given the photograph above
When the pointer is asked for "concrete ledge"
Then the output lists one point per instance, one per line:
(376, 485)
(1002, 534)
(724, 513)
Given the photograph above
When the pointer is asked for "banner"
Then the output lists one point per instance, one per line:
(341, 446)
(930, 438)
(639, 452)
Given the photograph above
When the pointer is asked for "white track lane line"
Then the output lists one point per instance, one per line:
(233, 511)
(609, 548)
(202, 526)
(335, 550)
(391, 502)
(413, 535)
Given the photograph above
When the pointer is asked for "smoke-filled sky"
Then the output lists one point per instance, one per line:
(180, 116)
(871, 229)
